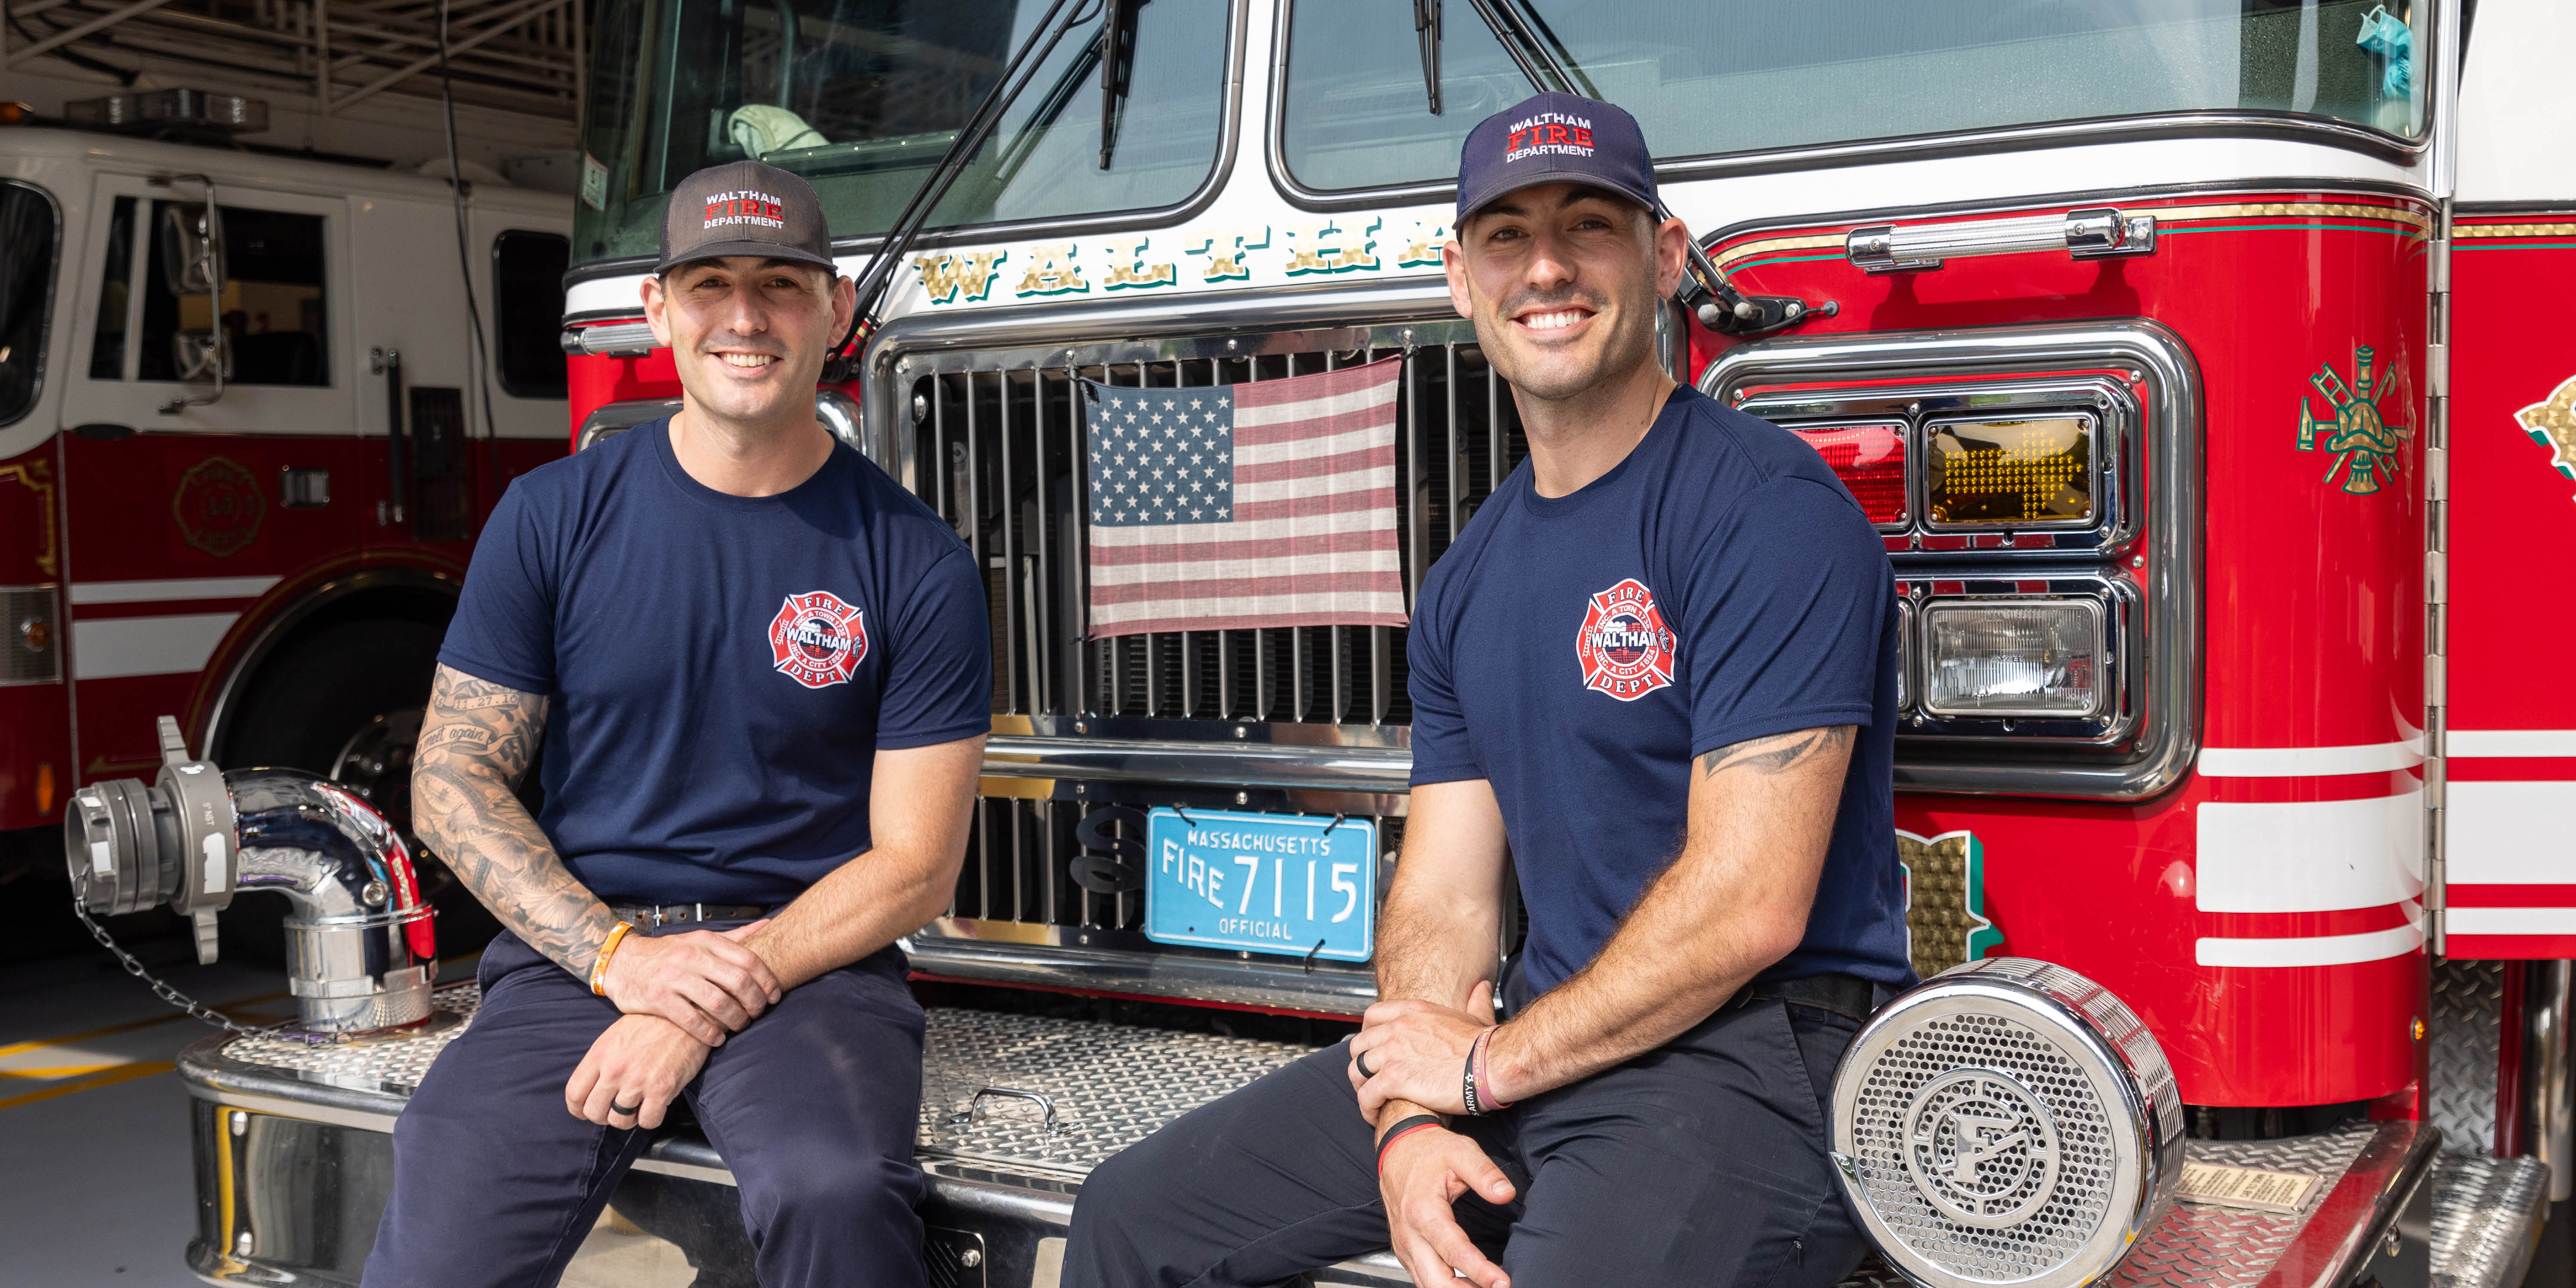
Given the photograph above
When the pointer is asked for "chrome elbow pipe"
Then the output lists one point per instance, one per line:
(359, 947)
(359, 942)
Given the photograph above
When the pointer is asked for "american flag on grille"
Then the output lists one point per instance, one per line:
(1227, 507)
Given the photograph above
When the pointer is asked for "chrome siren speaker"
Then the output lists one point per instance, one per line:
(2008, 1122)
(359, 942)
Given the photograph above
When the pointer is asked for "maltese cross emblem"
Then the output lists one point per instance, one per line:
(2366, 447)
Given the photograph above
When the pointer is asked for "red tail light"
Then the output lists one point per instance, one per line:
(1870, 460)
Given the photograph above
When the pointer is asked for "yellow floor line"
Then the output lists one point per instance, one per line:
(115, 1075)
(61, 1071)
(129, 1026)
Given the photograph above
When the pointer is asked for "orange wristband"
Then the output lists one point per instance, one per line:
(599, 964)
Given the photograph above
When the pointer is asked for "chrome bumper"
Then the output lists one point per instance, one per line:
(295, 1156)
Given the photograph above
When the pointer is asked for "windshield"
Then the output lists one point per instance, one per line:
(1707, 77)
(29, 240)
(862, 96)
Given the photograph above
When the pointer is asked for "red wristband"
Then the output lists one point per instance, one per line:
(1401, 1130)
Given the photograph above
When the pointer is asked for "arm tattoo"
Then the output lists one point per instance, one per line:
(1779, 752)
(479, 738)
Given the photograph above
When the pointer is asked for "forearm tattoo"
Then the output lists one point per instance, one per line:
(1777, 753)
(480, 738)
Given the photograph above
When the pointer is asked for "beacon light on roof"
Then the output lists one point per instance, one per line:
(2018, 473)
(1870, 460)
(2013, 657)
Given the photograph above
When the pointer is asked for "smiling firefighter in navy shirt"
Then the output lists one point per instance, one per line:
(1656, 674)
(762, 672)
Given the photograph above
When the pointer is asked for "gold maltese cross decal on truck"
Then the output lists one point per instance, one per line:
(2366, 447)
(1945, 900)
(2551, 422)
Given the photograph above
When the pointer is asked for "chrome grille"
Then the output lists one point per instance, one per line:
(997, 450)
(32, 650)
(2031, 1212)
(994, 444)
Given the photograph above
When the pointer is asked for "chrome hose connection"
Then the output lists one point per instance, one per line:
(360, 946)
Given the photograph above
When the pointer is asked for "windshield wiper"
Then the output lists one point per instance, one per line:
(843, 366)
(1426, 29)
(1117, 67)
(1705, 293)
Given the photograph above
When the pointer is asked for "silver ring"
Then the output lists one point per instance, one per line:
(1360, 1058)
(628, 1111)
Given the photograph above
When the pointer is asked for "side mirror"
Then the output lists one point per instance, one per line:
(191, 250)
(192, 262)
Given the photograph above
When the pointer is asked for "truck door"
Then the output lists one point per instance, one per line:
(2510, 767)
(187, 506)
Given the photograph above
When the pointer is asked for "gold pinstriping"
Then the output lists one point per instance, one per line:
(2513, 230)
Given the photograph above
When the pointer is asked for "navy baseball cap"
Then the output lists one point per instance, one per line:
(1555, 138)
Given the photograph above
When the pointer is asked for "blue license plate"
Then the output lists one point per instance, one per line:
(1292, 884)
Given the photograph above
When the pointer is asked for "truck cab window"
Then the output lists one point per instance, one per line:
(528, 293)
(862, 96)
(1716, 77)
(30, 241)
(107, 339)
(273, 316)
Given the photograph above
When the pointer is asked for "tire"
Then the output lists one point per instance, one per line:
(329, 689)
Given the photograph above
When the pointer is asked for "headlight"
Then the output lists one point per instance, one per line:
(1904, 654)
(2030, 657)
(2009, 473)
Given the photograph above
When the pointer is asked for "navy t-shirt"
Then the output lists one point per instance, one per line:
(1579, 652)
(723, 668)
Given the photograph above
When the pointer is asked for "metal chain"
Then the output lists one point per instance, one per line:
(174, 997)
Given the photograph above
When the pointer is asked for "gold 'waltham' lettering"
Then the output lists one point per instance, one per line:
(945, 277)
(1128, 269)
(1052, 271)
(1325, 246)
(1422, 248)
(1224, 249)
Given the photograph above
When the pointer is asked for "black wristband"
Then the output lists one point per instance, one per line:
(1403, 1125)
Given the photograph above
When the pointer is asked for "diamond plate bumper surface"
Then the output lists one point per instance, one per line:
(2468, 1000)
(2485, 1214)
(1106, 1086)
(2204, 1244)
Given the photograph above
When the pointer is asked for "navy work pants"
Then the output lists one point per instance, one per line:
(813, 1107)
(1701, 1163)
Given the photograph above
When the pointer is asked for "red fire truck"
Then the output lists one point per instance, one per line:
(2196, 362)
(241, 468)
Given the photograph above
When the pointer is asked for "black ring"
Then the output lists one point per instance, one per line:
(1360, 1058)
(624, 1110)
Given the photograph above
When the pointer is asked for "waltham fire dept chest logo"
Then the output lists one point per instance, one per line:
(2365, 445)
(1981, 1148)
(818, 640)
(1625, 648)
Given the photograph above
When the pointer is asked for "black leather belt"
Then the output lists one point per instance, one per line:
(1848, 996)
(649, 916)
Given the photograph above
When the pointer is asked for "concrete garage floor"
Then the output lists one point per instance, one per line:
(100, 1189)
